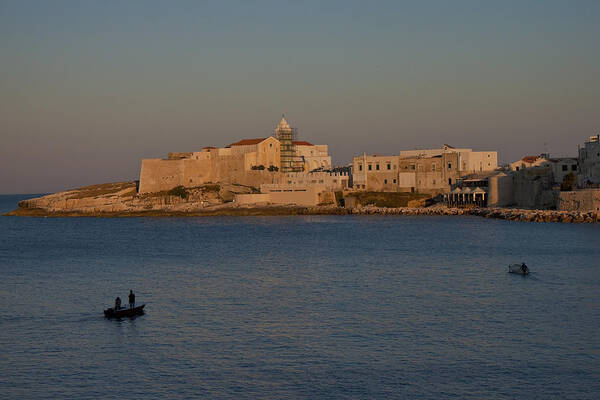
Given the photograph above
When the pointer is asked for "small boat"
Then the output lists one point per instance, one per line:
(517, 269)
(124, 312)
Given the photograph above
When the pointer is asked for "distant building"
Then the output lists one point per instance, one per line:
(559, 166)
(430, 171)
(589, 163)
(250, 162)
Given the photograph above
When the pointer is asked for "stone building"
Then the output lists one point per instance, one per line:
(250, 162)
(559, 166)
(424, 171)
(589, 163)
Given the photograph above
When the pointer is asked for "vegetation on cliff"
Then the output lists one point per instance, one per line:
(389, 199)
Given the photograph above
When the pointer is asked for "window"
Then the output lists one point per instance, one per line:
(574, 167)
(394, 181)
(377, 167)
(385, 181)
(449, 181)
(420, 166)
(565, 167)
(370, 167)
(433, 167)
(389, 166)
(449, 165)
(517, 168)
(412, 167)
(270, 144)
(360, 167)
(488, 156)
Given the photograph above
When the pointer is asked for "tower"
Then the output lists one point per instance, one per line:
(286, 135)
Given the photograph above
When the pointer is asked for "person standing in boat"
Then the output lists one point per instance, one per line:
(117, 303)
(131, 299)
(524, 268)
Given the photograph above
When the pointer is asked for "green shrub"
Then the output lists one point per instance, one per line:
(212, 188)
(179, 191)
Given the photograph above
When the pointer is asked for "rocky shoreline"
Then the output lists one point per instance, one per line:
(120, 199)
(510, 214)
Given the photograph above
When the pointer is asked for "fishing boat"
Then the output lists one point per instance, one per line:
(124, 312)
(518, 269)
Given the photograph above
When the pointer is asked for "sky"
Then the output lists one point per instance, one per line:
(89, 88)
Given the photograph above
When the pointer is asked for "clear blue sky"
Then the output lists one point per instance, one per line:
(88, 88)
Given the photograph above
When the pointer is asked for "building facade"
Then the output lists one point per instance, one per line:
(559, 166)
(250, 162)
(431, 171)
(589, 163)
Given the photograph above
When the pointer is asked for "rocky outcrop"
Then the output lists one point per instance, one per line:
(122, 198)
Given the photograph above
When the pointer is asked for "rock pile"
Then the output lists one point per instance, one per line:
(511, 214)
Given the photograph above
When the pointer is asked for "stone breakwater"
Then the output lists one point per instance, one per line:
(511, 214)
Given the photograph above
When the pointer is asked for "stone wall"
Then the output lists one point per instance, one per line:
(579, 200)
(158, 175)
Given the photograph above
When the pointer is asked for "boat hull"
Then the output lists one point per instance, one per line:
(124, 312)
(516, 269)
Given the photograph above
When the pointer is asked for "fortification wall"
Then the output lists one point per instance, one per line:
(157, 175)
(293, 194)
(579, 200)
(196, 172)
(500, 191)
(244, 199)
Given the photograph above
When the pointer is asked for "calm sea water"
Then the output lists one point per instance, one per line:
(299, 307)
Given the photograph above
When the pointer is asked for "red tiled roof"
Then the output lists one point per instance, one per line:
(248, 142)
(303, 143)
(529, 159)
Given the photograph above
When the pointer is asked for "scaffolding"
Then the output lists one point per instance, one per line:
(289, 160)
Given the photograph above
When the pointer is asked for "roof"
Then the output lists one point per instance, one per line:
(208, 148)
(248, 142)
(302, 143)
(530, 159)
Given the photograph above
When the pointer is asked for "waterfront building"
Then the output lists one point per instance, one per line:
(431, 171)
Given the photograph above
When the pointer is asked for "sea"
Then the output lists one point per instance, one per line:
(332, 307)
